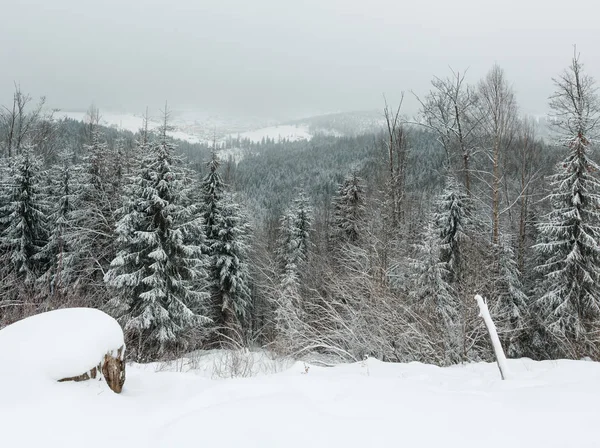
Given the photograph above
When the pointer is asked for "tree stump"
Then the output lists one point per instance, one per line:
(112, 368)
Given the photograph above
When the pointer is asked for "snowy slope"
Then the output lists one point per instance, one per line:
(371, 404)
(197, 127)
(130, 122)
(283, 132)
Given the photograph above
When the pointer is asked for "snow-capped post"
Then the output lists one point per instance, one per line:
(484, 313)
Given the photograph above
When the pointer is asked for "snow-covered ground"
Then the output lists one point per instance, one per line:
(197, 127)
(130, 122)
(283, 132)
(194, 131)
(369, 404)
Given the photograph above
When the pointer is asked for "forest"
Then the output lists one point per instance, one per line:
(335, 248)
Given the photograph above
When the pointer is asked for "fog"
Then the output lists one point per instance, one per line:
(280, 58)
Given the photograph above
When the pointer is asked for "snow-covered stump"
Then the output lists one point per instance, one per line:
(484, 313)
(112, 368)
(72, 344)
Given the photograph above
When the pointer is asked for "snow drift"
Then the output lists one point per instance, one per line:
(366, 404)
(58, 344)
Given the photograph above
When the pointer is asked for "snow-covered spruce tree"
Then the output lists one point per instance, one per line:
(65, 182)
(509, 304)
(24, 215)
(292, 253)
(24, 223)
(451, 218)
(118, 165)
(92, 235)
(569, 307)
(228, 272)
(159, 257)
(212, 191)
(348, 209)
(435, 297)
(303, 217)
(294, 240)
(287, 301)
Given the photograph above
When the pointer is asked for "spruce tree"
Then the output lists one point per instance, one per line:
(349, 207)
(65, 182)
(212, 190)
(434, 296)
(509, 303)
(569, 307)
(226, 232)
(229, 270)
(24, 220)
(292, 253)
(159, 259)
(92, 234)
(451, 220)
(294, 239)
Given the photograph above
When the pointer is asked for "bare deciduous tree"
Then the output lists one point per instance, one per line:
(397, 157)
(498, 113)
(448, 110)
(18, 123)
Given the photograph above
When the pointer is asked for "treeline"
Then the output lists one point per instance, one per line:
(336, 248)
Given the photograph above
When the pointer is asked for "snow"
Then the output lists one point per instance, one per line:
(129, 122)
(283, 132)
(57, 344)
(374, 404)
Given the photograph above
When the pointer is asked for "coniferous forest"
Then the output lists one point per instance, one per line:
(335, 248)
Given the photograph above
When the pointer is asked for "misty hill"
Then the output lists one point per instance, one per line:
(344, 123)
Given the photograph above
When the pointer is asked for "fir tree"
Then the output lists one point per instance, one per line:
(432, 294)
(569, 307)
(228, 268)
(159, 258)
(509, 302)
(24, 220)
(292, 252)
(349, 207)
(64, 186)
(294, 239)
(212, 194)
(92, 234)
(451, 220)
(287, 253)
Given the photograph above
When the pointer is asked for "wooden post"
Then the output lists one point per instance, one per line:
(484, 313)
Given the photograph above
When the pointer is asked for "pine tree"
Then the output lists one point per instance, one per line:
(64, 186)
(212, 189)
(349, 207)
(228, 269)
(569, 307)
(451, 220)
(24, 220)
(160, 259)
(509, 302)
(118, 165)
(92, 234)
(292, 253)
(433, 294)
(294, 239)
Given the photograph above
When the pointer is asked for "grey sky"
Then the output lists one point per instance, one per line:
(280, 58)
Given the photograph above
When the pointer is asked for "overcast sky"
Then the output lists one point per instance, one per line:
(280, 58)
